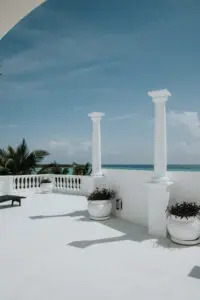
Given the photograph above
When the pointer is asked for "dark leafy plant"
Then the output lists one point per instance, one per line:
(45, 180)
(101, 194)
(84, 170)
(183, 210)
(53, 168)
(19, 160)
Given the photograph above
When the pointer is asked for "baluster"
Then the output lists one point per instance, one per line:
(75, 183)
(65, 183)
(37, 181)
(69, 183)
(23, 182)
(34, 181)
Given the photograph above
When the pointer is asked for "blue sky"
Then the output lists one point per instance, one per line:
(69, 58)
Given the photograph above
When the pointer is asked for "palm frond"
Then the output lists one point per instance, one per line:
(40, 155)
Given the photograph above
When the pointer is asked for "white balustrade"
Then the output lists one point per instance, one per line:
(71, 183)
(81, 185)
(25, 182)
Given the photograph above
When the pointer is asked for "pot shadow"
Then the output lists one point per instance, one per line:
(195, 272)
(129, 232)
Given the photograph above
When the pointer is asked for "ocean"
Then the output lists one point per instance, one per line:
(170, 167)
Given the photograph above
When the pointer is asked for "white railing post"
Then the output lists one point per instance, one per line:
(158, 187)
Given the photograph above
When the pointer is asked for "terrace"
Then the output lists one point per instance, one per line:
(50, 249)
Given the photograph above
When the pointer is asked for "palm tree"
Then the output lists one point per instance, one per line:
(53, 168)
(81, 169)
(20, 161)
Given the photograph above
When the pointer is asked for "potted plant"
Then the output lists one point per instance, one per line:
(183, 223)
(100, 204)
(46, 185)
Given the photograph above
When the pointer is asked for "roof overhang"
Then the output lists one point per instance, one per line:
(12, 11)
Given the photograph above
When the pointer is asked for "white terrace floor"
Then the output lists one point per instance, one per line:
(50, 250)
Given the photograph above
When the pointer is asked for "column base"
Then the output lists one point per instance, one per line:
(163, 179)
(158, 199)
(97, 175)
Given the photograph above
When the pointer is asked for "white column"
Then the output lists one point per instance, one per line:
(159, 187)
(160, 151)
(96, 143)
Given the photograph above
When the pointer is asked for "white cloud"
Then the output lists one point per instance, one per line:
(70, 147)
(9, 125)
(85, 145)
(122, 117)
(188, 119)
(62, 145)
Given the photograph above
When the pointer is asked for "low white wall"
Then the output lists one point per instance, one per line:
(130, 186)
(132, 189)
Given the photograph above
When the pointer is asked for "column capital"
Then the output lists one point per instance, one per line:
(159, 96)
(96, 115)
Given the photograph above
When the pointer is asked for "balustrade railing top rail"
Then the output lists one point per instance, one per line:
(63, 183)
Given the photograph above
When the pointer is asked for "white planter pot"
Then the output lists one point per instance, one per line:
(46, 187)
(183, 230)
(99, 209)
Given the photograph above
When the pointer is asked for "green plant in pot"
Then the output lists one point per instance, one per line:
(183, 222)
(46, 185)
(100, 203)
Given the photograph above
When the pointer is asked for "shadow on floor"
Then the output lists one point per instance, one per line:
(78, 213)
(195, 272)
(129, 231)
(4, 206)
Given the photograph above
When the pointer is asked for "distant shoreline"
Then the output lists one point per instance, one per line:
(170, 167)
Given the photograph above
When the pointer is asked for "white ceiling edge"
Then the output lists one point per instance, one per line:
(12, 11)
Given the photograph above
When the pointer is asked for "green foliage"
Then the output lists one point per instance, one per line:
(81, 169)
(53, 168)
(77, 169)
(20, 161)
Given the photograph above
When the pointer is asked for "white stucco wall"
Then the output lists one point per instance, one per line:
(130, 185)
(132, 188)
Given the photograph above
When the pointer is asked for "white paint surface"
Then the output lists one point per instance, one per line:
(12, 11)
(132, 188)
(158, 200)
(96, 143)
(160, 140)
(115, 259)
